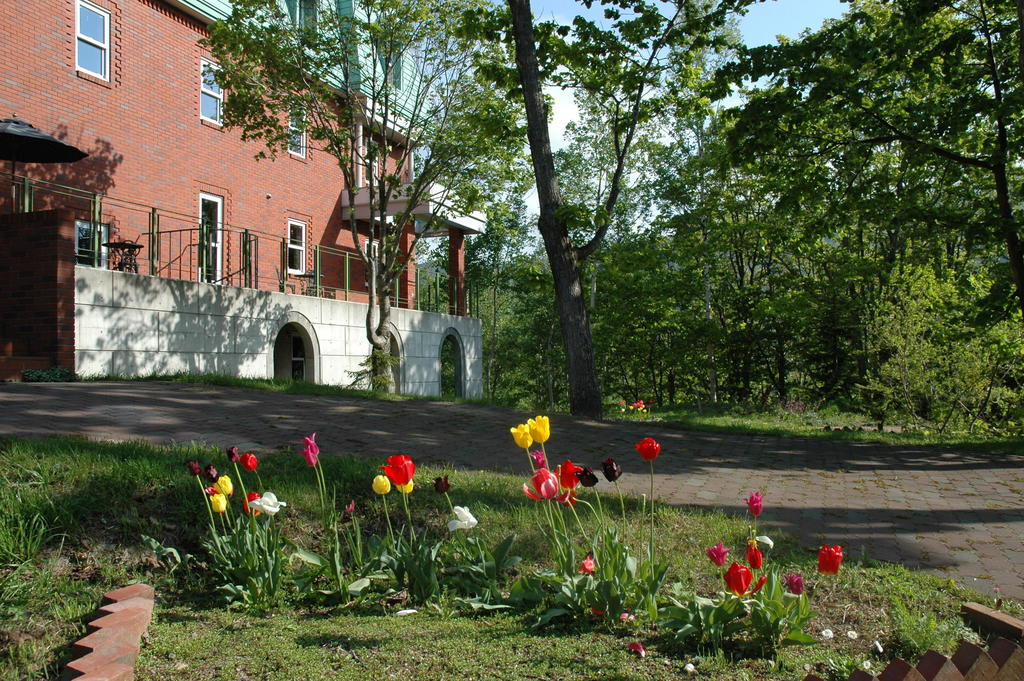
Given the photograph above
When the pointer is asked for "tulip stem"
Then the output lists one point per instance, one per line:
(622, 503)
(545, 453)
(241, 483)
(450, 505)
(387, 517)
(206, 498)
(651, 543)
(408, 515)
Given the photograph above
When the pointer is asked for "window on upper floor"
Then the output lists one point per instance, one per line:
(297, 134)
(92, 40)
(296, 247)
(303, 12)
(211, 97)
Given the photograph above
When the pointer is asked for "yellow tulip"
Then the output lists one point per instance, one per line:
(224, 486)
(219, 503)
(406, 488)
(521, 434)
(540, 429)
(381, 484)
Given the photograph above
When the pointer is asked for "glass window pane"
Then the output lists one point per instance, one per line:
(93, 24)
(295, 259)
(295, 234)
(209, 82)
(209, 107)
(91, 58)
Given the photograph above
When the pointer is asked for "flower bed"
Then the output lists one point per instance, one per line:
(323, 615)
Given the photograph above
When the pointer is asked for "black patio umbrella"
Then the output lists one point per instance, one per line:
(21, 141)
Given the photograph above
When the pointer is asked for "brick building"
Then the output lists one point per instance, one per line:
(244, 266)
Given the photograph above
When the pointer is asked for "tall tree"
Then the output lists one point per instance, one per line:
(390, 89)
(619, 62)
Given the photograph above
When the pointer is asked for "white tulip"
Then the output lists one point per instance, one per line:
(464, 520)
(827, 633)
(268, 504)
(403, 613)
(689, 668)
(766, 541)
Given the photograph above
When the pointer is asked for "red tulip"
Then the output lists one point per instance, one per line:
(543, 485)
(351, 508)
(755, 503)
(232, 453)
(251, 496)
(755, 558)
(249, 461)
(399, 469)
(648, 448)
(587, 565)
(567, 475)
(738, 578)
(211, 472)
(829, 559)
(567, 497)
(194, 468)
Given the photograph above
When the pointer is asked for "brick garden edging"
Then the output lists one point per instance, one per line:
(111, 646)
(1003, 661)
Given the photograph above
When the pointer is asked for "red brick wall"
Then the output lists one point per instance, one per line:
(145, 137)
(37, 303)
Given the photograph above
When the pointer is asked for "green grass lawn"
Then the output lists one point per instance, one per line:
(73, 514)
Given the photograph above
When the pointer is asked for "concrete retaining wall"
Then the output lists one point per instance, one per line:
(137, 325)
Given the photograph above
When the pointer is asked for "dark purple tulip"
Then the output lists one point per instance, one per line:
(795, 583)
(211, 472)
(194, 468)
(441, 485)
(586, 476)
(612, 470)
(233, 455)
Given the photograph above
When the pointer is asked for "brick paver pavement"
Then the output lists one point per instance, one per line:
(959, 514)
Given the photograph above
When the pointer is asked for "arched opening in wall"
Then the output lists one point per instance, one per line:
(452, 378)
(396, 365)
(293, 354)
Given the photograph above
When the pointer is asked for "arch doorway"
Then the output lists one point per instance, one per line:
(294, 358)
(452, 373)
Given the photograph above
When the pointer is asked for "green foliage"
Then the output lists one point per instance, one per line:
(250, 561)
(51, 375)
(912, 634)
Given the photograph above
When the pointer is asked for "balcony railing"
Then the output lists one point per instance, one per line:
(180, 246)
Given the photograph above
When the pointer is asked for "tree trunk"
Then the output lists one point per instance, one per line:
(584, 391)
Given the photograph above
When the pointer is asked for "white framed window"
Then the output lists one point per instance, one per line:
(88, 237)
(92, 39)
(296, 247)
(211, 97)
(303, 12)
(297, 134)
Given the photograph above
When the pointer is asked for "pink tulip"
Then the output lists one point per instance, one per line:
(312, 451)
(638, 649)
(543, 485)
(538, 459)
(755, 503)
(587, 566)
(718, 554)
(351, 508)
(795, 583)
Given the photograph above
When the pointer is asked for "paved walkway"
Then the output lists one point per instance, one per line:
(959, 514)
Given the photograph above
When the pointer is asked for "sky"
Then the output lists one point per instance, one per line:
(762, 23)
